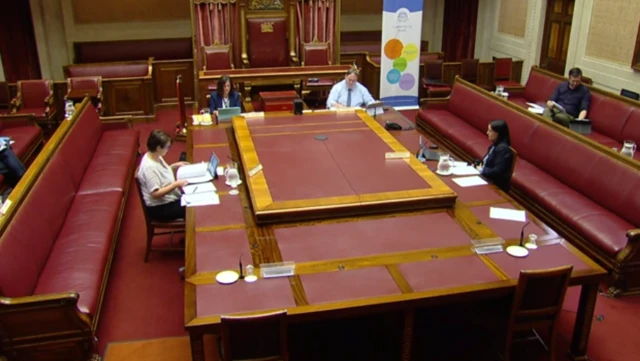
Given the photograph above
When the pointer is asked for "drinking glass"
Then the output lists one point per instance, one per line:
(531, 244)
(232, 177)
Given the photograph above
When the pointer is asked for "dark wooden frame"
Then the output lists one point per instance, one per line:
(635, 63)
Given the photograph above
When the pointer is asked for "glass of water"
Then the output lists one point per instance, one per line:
(232, 177)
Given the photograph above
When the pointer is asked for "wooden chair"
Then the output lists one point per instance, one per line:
(316, 54)
(502, 74)
(35, 97)
(537, 303)
(433, 79)
(79, 87)
(238, 332)
(217, 57)
(172, 227)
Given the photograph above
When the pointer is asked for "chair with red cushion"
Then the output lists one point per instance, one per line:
(79, 87)
(316, 54)
(35, 97)
(217, 57)
(503, 73)
(433, 81)
(266, 333)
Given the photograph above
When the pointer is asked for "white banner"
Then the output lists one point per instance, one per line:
(400, 60)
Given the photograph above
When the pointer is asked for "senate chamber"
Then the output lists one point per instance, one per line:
(319, 180)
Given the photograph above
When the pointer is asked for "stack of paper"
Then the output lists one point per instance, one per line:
(194, 173)
(469, 181)
(535, 108)
(508, 214)
(201, 194)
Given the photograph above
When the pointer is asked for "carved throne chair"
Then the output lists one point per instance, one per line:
(79, 87)
(35, 97)
(217, 57)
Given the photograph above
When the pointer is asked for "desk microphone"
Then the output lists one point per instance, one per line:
(522, 233)
(240, 268)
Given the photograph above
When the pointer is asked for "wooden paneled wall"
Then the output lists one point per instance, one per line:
(122, 11)
(353, 7)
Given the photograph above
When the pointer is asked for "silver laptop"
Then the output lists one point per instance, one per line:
(225, 114)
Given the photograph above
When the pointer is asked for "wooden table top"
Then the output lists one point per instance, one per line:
(356, 263)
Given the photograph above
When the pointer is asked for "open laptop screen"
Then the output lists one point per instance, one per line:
(225, 114)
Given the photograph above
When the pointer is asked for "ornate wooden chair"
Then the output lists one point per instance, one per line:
(172, 228)
(237, 332)
(316, 54)
(217, 57)
(79, 87)
(35, 97)
(537, 303)
(433, 81)
(502, 74)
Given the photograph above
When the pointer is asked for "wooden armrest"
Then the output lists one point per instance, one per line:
(16, 103)
(515, 89)
(630, 251)
(117, 122)
(17, 120)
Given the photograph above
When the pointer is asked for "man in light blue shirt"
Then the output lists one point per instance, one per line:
(349, 93)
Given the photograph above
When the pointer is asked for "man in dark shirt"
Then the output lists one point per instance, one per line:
(572, 96)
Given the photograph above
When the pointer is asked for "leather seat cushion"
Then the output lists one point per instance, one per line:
(508, 83)
(455, 129)
(631, 130)
(608, 116)
(78, 259)
(519, 100)
(109, 168)
(26, 138)
(39, 112)
(603, 139)
(539, 87)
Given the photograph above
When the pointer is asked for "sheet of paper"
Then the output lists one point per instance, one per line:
(534, 105)
(466, 170)
(459, 164)
(194, 173)
(200, 199)
(536, 110)
(199, 188)
(508, 214)
(560, 107)
(470, 181)
(397, 155)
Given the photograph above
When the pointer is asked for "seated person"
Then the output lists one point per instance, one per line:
(574, 97)
(160, 189)
(496, 164)
(225, 96)
(349, 93)
(11, 167)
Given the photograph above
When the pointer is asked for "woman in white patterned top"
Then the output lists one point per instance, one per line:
(160, 189)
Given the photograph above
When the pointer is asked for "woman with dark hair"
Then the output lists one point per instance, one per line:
(496, 164)
(225, 95)
(159, 187)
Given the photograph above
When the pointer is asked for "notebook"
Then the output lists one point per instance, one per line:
(225, 114)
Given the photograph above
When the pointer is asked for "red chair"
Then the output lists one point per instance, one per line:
(503, 73)
(217, 57)
(79, 87)
(35, 97)
(266, 333)
(433, 81)
(316, 54)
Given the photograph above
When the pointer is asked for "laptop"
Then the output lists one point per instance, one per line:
(213, 165)
(425, 154)
(225, 114)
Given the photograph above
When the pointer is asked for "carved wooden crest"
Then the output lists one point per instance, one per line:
(266, 5)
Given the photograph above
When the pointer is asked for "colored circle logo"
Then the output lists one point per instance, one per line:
(393, 76)
(407, 81)
(393, 48)
(410, 52)
(400, 64)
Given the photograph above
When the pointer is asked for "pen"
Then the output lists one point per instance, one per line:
(194, 189)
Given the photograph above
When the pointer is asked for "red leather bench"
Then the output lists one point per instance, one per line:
(614, 119)
(587, 195)
(28, 136)
(127, 86)
(58, 238)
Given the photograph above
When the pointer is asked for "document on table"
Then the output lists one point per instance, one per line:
(200, 199)
(199, 188)
(470, 181)
(465, 170)
(508, 214)
(535, 108)
(194, 173)
(560, 107)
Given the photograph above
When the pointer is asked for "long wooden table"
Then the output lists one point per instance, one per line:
(356, 264)
(245, 78)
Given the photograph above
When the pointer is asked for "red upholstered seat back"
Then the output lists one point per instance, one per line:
(461, 104)
(539, 87)
(428, 57)
(371, 48)
(34, 92)
(268, 45)
(107, 71)
(27, 242)
(600, 178)
(469, 70)
(217, 57)
(503, 68)
(608, 116)
(433, 69)
(631, 130)
(85, 83)
(316, 54)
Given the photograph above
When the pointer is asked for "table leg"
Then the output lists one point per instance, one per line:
(582, 326)
(197, 346)
(407, 336)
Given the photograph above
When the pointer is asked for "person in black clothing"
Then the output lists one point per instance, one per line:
(496, 164)
(574, 97)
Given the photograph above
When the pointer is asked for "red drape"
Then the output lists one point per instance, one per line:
(18, 42)
(214, 20)
(459, 33)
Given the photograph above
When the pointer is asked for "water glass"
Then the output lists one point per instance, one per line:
(531, 244)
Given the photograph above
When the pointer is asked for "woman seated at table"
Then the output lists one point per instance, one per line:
(159, 187)
(225, 95)
(496, 164)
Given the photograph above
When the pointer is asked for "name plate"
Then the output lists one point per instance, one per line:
(253, 115)
(5, 207)
(397, 155)
(255, 170)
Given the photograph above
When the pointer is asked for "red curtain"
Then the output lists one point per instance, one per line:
(214, 20)
(318, 19)
(18, 42)
(459, 33)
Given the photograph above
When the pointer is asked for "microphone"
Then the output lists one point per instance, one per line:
(522, 233)
(240, 268)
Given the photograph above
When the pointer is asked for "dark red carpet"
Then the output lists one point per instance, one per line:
(145, 301)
